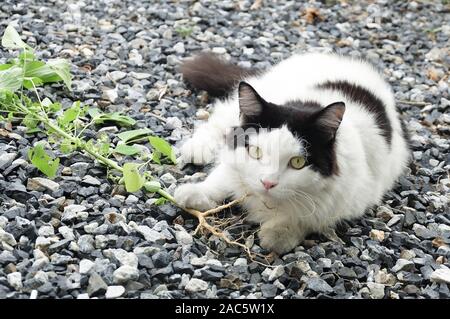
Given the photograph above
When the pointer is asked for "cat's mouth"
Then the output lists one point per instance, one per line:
(269, 203)
(267, 206)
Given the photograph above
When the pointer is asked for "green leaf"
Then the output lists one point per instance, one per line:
(116, 117)
(51, 107)
(152, 186)
(67, 146)
(11, 39)
(134, 135)
(54, 71)
(156, 157)
(40, 70)
(104, 148)
(26, 56)
(33, 130)
(71, 114)
(126, 149)
(94, 112)
(62, 68)
(11, 79)
(133, 179)
(43, 161)
(5, 66)
(30, 122)
(28, 83)
(163, 147)
(160, 201)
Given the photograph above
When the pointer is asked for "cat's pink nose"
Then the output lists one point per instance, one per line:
(268, 184)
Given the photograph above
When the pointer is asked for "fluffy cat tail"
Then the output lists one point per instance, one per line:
(206, 71)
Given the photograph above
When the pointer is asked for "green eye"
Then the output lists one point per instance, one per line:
(255, 152)
(297, 162)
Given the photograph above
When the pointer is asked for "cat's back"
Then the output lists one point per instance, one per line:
(296, 76)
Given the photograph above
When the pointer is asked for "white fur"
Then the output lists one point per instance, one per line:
(303, 201)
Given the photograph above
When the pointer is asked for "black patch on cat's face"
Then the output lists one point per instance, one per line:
(307, 120)
(367, 99)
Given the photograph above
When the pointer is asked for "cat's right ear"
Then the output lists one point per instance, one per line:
(251, 104)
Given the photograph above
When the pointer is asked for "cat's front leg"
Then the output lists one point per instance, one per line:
(209, 137)
(280, 236)
(202, 147)
(207, 194)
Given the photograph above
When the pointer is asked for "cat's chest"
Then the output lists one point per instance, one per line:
(263, 208)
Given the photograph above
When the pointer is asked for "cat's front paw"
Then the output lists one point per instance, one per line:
(193, 196)
(198, 150)
(278, 239)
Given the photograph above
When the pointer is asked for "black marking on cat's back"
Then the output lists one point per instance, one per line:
(367, 99)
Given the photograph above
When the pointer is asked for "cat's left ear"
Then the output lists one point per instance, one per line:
(329, 119)
(251, 104)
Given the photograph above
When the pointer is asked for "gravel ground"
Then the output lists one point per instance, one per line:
(83, 237)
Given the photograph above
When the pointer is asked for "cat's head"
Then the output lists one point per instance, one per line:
(280, 148)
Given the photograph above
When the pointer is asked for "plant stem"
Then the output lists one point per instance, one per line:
(78, 142)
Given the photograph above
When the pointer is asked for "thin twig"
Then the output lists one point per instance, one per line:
(162, 119)
(412, 102)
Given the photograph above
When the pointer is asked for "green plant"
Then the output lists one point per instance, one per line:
(64, 128)
(184, 31)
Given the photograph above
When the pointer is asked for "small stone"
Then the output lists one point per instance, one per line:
(7, 238)
(110, 95)
(173, 123)
(124, 274)
(376, 290)
(219, 50)
(161, 259)
(96, 286)
(46, 230)
(319, 285)
(347, 273)
(403, 264)
(117, 75)
(42, 184)
(240, 262)
(269, 290)
(85, 266)
(179, 47)
(407, 254)
(377, 235)
(140, 75)
(148, 233)
(210, 275)
(74, 209)
(131, 199)
(324, 262)
(423, 232)
(114, 292)
(88, 53)
(6, 159)
(168, 179)
(183, 268)
(202, 114)
(183, 237)
(86, 243)
(66, 232)
(15, 280)
(122, 256)
(196, 285)
(384, 213)
(276, 273)
(441, 275)
(88, 179)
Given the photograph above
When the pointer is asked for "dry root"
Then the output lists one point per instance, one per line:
(208, 223)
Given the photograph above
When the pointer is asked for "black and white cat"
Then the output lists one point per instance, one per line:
(314, 140)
